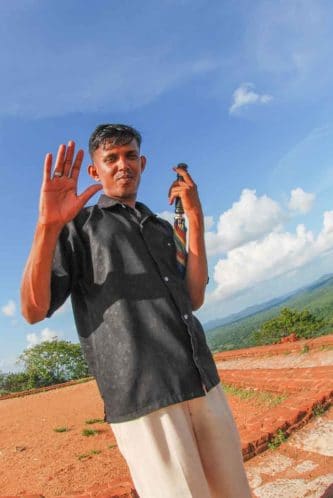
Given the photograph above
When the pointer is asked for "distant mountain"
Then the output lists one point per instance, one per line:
(235, 330)
(250, 310)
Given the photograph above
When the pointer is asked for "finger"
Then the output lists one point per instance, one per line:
(89, 192)
(179, 190)
(59, 164)
(177, 184)
(47, 168)
(69, 158)
(74, 172)
(185, 175)
(172, 199)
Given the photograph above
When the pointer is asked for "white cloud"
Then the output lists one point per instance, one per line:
(167, 215)
(209, 222)
(9, 309)
(277, 254)
(301, 201)
(244, 96)
(248, 219)
(45, 335)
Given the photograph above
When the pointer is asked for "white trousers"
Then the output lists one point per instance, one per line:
(186, 450)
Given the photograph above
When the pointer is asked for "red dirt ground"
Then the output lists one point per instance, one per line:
(34, 459)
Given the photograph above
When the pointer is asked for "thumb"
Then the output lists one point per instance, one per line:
(89, 192)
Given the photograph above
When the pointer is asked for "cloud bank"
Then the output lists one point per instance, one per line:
(256, 246)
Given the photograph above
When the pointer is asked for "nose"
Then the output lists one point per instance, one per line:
(122, 163)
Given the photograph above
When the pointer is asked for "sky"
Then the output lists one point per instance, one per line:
(239, 90)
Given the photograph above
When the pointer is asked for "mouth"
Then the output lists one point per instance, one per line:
(124, 177)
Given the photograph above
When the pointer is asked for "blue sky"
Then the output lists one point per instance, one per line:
(240, 90)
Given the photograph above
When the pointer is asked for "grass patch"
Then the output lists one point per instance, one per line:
(279, 438)
(87, 456)
(95, 421)
(90, 432)
(83, 456)
(305, 349)
(263, 397)
(61, 429)
(318, 410)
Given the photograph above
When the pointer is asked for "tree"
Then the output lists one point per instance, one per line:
(53, 362)
(303, 323)
(12, 382)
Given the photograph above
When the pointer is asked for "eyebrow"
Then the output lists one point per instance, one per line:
(115, 153)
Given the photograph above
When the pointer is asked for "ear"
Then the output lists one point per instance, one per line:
(143, 163)
(92, 171)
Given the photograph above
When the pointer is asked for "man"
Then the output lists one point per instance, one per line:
(133, 312)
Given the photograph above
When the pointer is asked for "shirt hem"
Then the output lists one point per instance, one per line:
(170, 400)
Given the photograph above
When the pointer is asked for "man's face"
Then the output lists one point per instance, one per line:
(118, 168)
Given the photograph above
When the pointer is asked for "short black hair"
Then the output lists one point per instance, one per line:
(117, 134)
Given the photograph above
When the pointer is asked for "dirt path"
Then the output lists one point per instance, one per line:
(36, 459)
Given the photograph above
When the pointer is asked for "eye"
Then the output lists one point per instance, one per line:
(110, 159)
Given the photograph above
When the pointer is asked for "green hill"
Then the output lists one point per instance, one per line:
(316, 297)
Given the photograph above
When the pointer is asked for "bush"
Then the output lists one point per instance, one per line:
(303, 323)
(54, 362)
(14, 382)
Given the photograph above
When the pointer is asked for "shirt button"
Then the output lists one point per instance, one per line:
(169, 244)
(166, 279)
(186, 316)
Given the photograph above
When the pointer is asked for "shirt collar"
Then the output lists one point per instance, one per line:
(109, 202)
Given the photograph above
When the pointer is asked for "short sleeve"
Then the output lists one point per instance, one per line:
(62, 271)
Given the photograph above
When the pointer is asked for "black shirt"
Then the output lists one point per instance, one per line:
(132, 310)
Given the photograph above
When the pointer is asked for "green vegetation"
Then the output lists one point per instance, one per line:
(48, 363)
(279, 438)
(86, 456)
(318, 410)
(83, 456)
(61, 429)
(317, 300)
(90, 432)
(54, 362)
(302, 323)
(14, 382)
(95, 421)
(262, 397)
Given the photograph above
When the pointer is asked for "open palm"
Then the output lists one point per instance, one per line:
(59, 201)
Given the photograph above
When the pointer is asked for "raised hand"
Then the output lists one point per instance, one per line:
(186, 189)
(59, 201)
